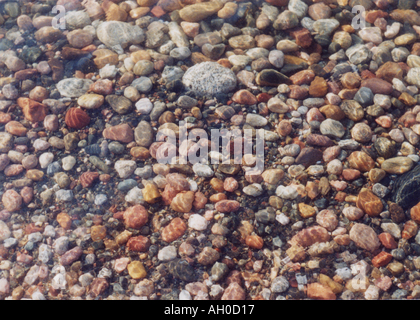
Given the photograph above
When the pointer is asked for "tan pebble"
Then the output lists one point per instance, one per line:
(183, 202)
(136, 270)
(97, 233)
(64, 220)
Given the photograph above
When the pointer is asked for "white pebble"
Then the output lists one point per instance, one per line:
(283, 219)
(108, 72)
(144, 106)
(197, 222)
(253, 190)
(193, 185)
(41, 145)
(288, 193)
(45, 159)
(135, 196)
(372, 293)
(184, 295)
(167, 253)
(202, 170)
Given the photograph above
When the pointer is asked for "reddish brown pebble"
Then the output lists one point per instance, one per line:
(12, 201)
(388, 71)
(138, 244)
(308, 156)
(230, 184)
(331, 153)
(369, 203)
(24, 258)
(31, 228)
(234, 292)
(382, 259)
(244, 97)
(314, 115)
(200, 200)
(71, 256)
(303, 77)
(88, 178)
(327, 219)
(318, 87)
(64, 220)
(415, 213)
(98, 286)
(361, 161)
(378, 86)
(217, 197)
(254, 242)
(353, 213)
(13, 170)
(364, 237)
(5, 117)
(76, 118)
(303, 37)
(208, 256)
(27, 194)
(343, 240)
(104, 177)
(168, 194)
(103, 87)
(410, 229)
(140, 153)
(319, 140)
(16, 128)
(178, 182)
(309, 236)
(175, 229)
(388, 241)
(318, 291)
(298, 93)
(135, 217)
(284, 128)
(350, 174)
(333, 112)
(226, 206)
(33, 110)
(122, 133)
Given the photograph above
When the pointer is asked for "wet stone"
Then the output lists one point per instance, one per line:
(332, 128)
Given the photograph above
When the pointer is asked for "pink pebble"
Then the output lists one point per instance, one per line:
(333, 99)
(383, 283)
(121, 264)
(43, 67)
(314, 115)
(230, 184)
(4, 286)
(4, 215)
(384, 121)
(23, 258)
(208, 215)
(51, 122)
(339, 185)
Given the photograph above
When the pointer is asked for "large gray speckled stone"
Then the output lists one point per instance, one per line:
(73, 87)
(112, 33)
(209, 78)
